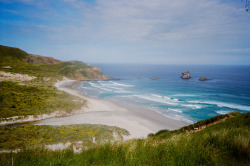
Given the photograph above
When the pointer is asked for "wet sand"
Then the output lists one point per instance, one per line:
(137, 120)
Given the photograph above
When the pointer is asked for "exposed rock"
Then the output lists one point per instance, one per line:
(37, 59)
(185, 75)
(204, 79)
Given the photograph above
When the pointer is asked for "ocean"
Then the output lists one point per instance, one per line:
(188, 100)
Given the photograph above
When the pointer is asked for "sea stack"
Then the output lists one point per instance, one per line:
(204, 79)
(186, 75)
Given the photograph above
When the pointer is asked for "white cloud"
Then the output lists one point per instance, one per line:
(156, 20)
(128, 28)
(237, 50)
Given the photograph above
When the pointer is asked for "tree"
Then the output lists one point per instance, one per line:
(247, 5)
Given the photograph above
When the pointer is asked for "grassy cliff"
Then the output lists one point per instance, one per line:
(18, 61)
(35, 96)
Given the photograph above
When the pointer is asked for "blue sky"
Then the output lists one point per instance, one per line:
(129, 31)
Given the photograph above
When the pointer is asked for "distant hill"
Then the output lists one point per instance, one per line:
(18, 61)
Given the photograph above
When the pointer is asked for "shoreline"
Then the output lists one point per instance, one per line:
(137, 120)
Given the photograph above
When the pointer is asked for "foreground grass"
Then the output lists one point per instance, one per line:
(225, 143)
(21, 100)
(33, 136)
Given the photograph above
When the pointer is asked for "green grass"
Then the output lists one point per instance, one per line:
(21, 100)
(225, 143)
(39, 96)
(14, 57)
(33, 136)
(13, 52)
(166, 133)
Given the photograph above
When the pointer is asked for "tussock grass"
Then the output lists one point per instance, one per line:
(225, 143)
(21, 100)
(39, 96)
(33, 136)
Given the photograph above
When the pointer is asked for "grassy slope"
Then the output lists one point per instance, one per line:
(39, 95)
(32, 136)
(21, 100)
(14, 57)
(225, 143)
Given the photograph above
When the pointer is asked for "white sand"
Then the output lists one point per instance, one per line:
(138, 121)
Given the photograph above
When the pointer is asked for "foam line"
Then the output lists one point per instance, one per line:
(119, 84)
(155, 99)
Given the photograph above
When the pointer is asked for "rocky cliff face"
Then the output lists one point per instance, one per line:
(91, 73)
(37, 59)
(186, 75)
(78, 70)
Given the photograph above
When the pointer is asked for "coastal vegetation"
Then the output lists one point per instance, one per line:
(22, 100)
(224, 143)
(36, 96)
(18, 61)
(30, 136)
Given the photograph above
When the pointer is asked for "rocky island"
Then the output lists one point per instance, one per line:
(186, 75)
(204, 79)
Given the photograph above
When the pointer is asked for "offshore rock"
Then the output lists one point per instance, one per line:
(186, 75)
(204, 79)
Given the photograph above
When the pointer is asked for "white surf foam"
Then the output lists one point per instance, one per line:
(172, 115)
(155, 99)
(114, 87)
(195, 101)
(156, 95)
(222, 104)
(94, 85)
(193, 106)
(122, 91)
(100, 87)
(184, 95)
(222, 112)
(106, 89)
(165, 97)
(229, 105)
(84, 87)
(119, 84)
(175, 110)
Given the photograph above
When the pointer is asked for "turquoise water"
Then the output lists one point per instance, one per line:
(187, 100)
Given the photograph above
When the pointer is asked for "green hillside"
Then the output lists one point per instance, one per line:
(21, 62)
(39, 96)
(224, 141)
(23, 100)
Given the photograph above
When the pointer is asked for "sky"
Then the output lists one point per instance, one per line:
(129, 31)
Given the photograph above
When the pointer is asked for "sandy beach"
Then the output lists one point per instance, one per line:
(137, 120)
